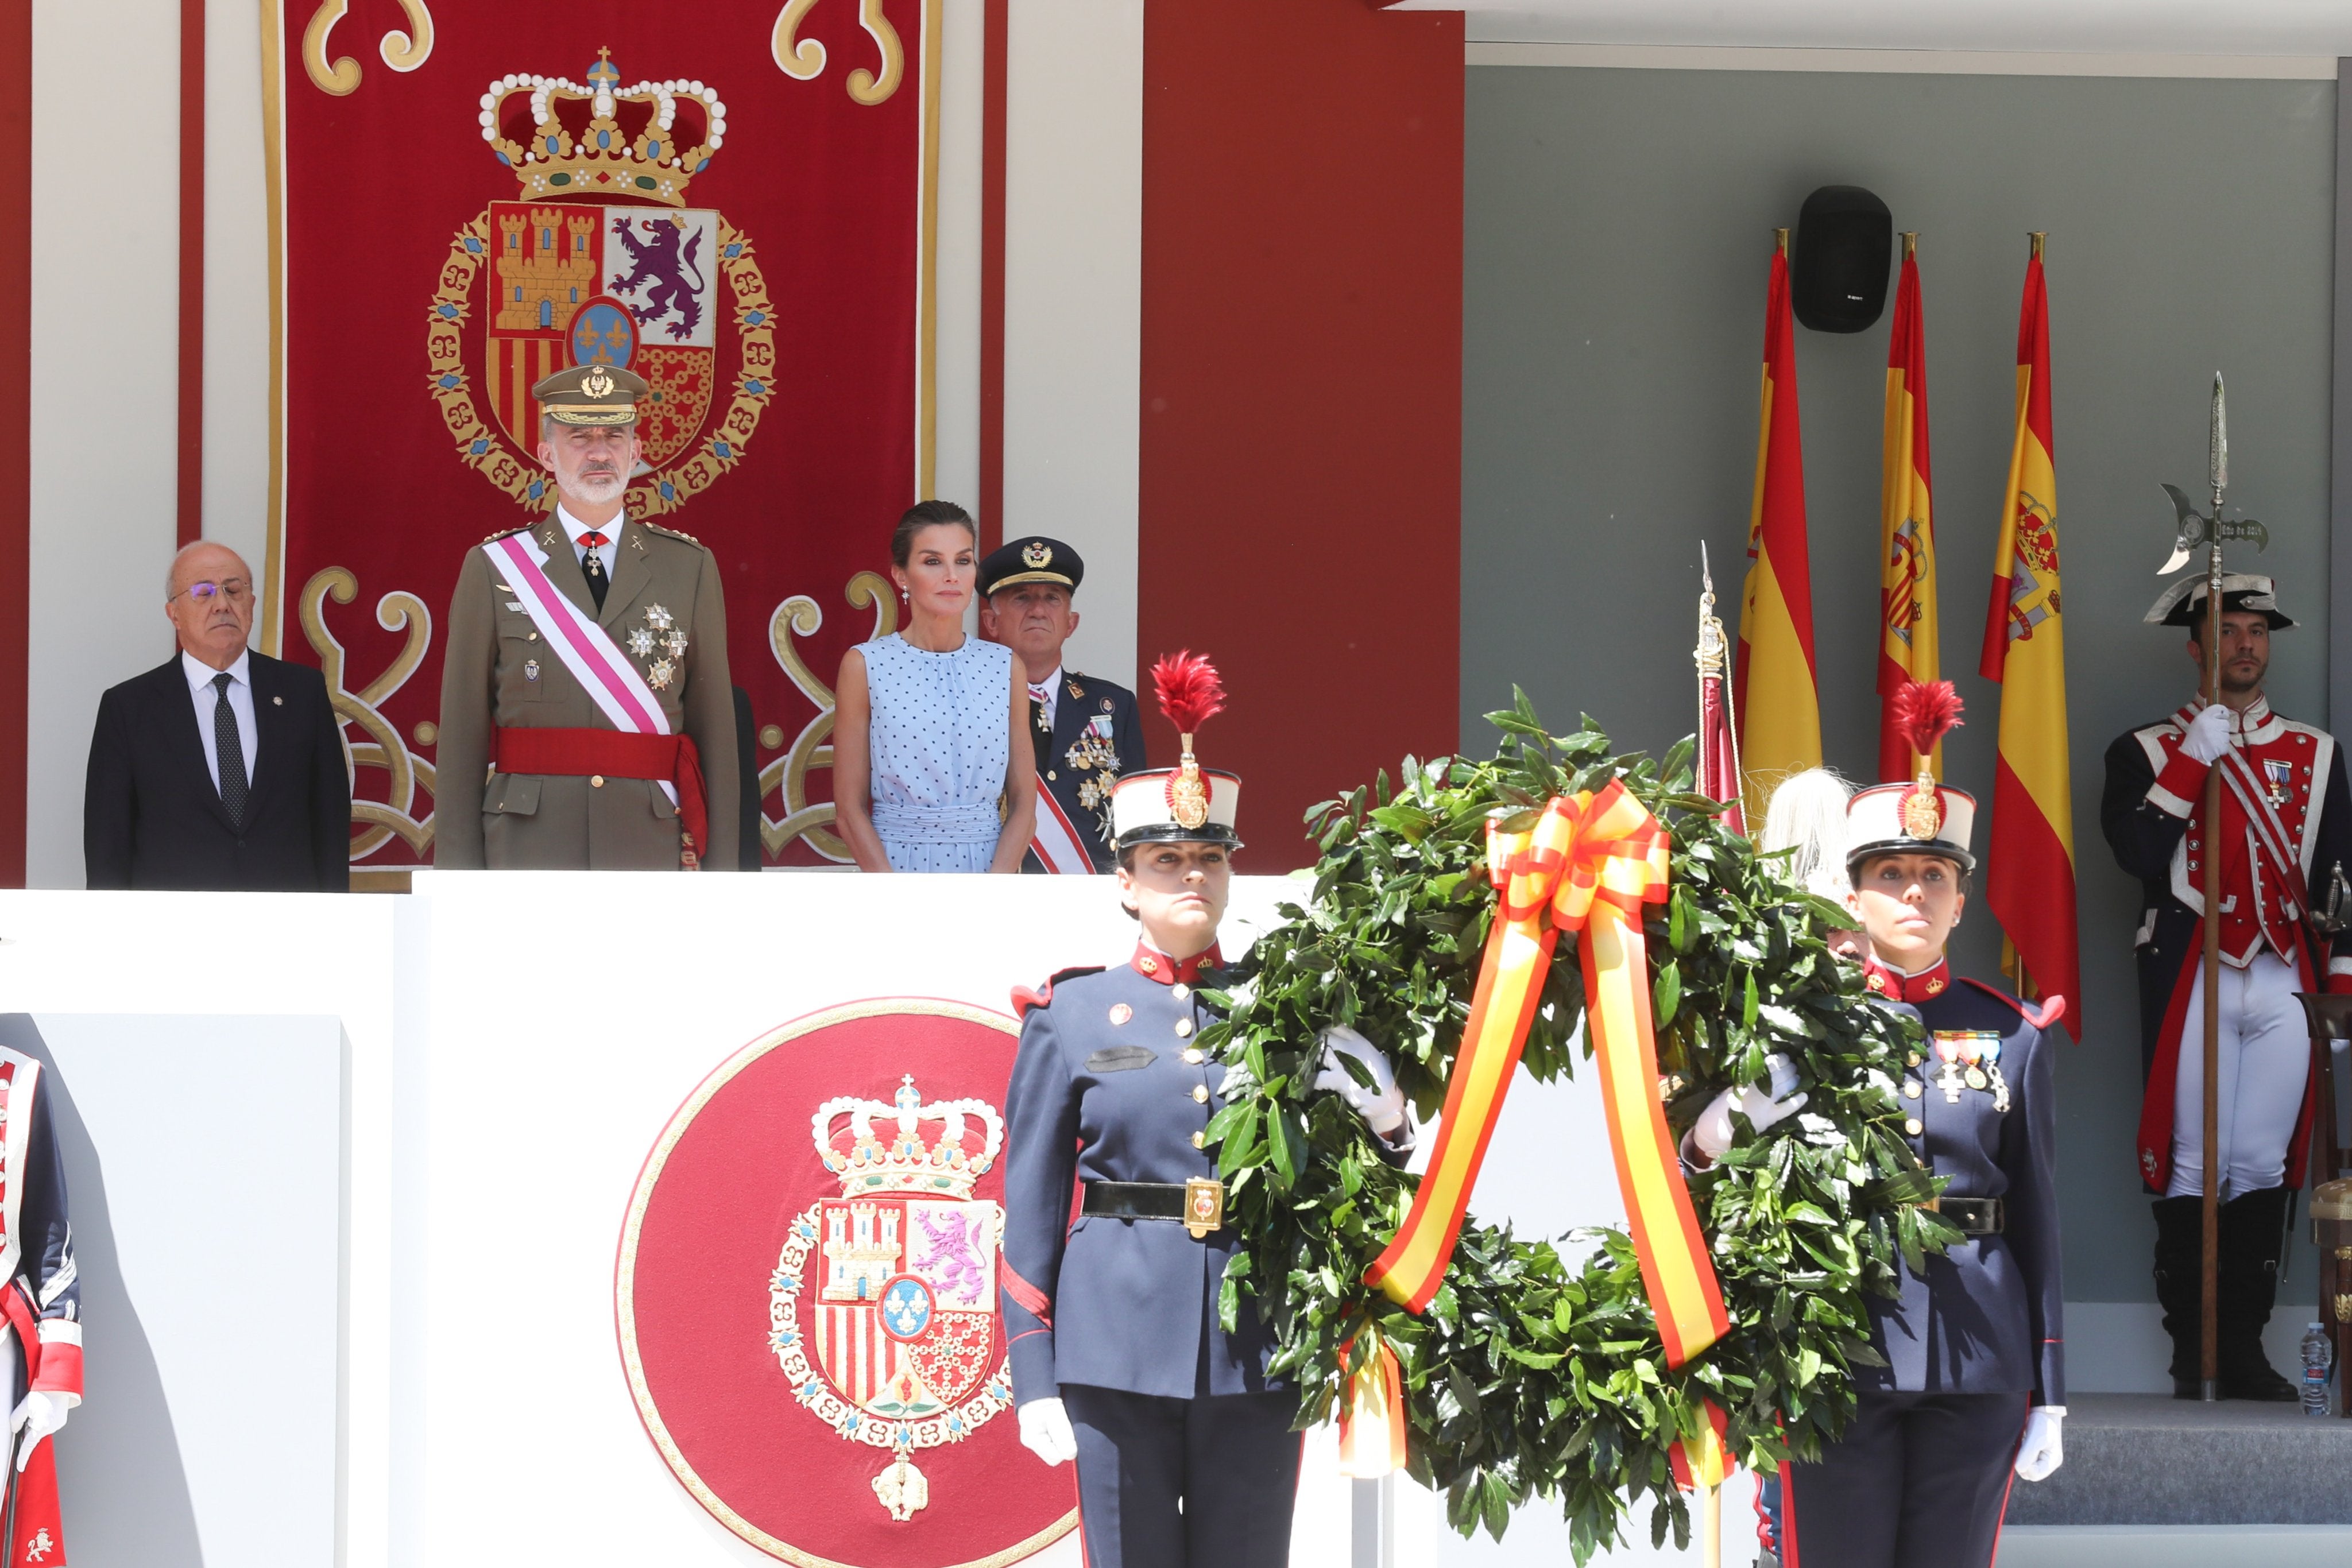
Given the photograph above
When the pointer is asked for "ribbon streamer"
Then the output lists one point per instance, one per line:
(1372, 1415)
(1589, 865)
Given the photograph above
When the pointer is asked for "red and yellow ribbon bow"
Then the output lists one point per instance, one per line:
(1588, 864)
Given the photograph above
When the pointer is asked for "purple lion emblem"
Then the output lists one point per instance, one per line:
(949, 1256)
(672, 275)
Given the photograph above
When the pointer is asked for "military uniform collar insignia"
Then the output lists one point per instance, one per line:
(1154, 965)
(1881, 980)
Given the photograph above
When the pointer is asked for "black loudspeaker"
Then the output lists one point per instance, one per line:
(1845, 246)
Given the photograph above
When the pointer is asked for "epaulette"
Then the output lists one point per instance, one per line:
(672, 533)
(2051, 1009)
(504, 533)
(1024, 998)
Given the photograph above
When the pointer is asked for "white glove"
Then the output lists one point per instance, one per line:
(39, 1414)
(1045, 1431)
(2208, 739)
(2043, 1449)
(1382, 1106)
(1711, 1135)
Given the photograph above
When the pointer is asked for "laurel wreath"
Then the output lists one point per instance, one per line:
(1538, 1373)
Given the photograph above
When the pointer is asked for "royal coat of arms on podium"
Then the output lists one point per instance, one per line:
(807, 1295)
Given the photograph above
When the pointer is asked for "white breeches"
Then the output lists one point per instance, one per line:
(2265, 1061)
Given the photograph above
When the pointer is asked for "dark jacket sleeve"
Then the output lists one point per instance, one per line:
(2141, 824)
(109, 803)
(2333, 848)
(1041, 1115)
(1129, 728)
(330, 789)
(2029, 1157)
(46, 1230)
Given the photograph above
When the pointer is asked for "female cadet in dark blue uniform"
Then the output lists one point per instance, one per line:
(1974, 1384)
(1185, 1452)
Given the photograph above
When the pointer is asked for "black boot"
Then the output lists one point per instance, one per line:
(2254, 1233)
(2179, 1283)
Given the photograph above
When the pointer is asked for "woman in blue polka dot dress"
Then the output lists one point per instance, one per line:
(926, 776)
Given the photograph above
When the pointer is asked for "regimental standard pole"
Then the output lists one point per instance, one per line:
(2212, 531)
(2209, 1300)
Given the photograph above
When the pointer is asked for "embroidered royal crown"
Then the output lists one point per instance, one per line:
(564, 138)
(886, 1153)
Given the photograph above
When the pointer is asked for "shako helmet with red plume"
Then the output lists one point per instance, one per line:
(1188, 802)
(1922, 817)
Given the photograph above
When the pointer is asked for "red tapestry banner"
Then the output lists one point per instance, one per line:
(734, 200)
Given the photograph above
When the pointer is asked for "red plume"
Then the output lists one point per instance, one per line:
(1924, 712)
(1191, 693)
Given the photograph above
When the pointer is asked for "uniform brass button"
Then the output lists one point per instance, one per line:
(1181, 991)
(1200, 1140)
(1915, 1059)
(1910, 1089)
(1200, 1093)
(595, 780)
(1912, 1127)
(1051, 776)
(535, 637)
(1183, 1026)
(1193, 1057)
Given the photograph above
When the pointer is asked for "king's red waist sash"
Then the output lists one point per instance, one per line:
(614, 753)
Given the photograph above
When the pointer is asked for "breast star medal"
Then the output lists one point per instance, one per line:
(641, 642)
(659, 674)
(657, 617)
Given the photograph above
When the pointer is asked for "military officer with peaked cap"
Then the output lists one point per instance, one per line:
(1185, 1451)
(1085, 729)
(587, 720)
(1970, 1388)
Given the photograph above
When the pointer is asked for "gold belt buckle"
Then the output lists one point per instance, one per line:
(1204, 1206)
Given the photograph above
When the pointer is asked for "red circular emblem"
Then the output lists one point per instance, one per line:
(806, 1296)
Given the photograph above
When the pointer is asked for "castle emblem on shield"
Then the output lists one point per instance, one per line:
(894, 1282)
(599, 260)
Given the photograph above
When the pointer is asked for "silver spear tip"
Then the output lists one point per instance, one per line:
(2220, 452)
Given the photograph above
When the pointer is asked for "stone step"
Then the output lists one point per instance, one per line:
(2147, 1458)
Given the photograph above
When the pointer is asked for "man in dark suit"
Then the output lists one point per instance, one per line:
(222, 768)
(1083, 728)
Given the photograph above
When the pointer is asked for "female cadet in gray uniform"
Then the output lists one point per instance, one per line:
(1185, 1452)
(1973, 1385)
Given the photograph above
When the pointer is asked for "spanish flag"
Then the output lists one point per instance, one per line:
(1906, 535)
(1773, 692)
(2029, 871)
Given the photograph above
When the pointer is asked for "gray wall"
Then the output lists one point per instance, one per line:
(1617, 231)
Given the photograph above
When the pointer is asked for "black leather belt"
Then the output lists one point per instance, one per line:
(1971, 1216)
(1199, 1205)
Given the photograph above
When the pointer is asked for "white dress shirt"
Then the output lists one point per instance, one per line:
(1053, 692)
(240, 703)
(607, 552)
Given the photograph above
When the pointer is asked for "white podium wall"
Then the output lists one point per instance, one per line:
(515, 1043)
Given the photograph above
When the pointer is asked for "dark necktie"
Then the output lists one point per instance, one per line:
(592, 565)
(229, 746)
(1041, 728)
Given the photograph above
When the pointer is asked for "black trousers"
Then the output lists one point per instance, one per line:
(1919, 1481)
(1184, 1483)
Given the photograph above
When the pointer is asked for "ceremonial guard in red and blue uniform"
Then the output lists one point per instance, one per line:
(2285, 832)
(1972, 1385)
(1185, 1448)
(40, 1307)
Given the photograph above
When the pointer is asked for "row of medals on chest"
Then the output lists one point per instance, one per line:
(660, 633)
(1970, 1059)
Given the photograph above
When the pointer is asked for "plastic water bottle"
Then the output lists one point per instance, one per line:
(2315, 1370)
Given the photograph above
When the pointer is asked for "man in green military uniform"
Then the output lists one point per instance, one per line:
(587, 718)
